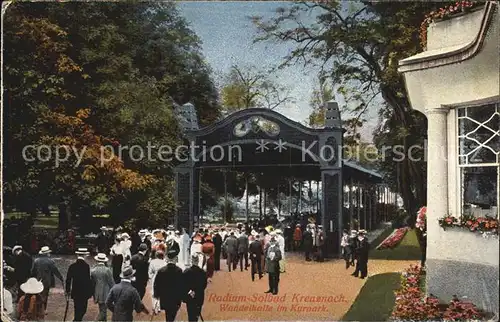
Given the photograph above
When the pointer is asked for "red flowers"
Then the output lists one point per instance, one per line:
(412, 305)
(422, 219)
(443, 13)
(394, 239)
(448, 221)
(480, 224)
(462, 311)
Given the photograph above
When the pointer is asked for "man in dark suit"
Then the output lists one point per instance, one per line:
(169, 286)
(217, 240)
(144, 240)
(307, 243)
(273, 257)
(123, 298)
(22, 263)
(195, 281)
(140, 263)
(231, 245)
(362, 250)
(255, 249)
(243, 250)
(79, 284)
(102, 241)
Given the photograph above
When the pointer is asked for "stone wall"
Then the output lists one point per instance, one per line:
(467, 267)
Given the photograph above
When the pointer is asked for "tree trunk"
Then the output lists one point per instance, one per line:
(64, 216)
(410, 179)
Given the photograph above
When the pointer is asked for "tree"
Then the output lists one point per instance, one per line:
(359, 47)
(318, 100)
(42, 110)
(250, 87)
(130, 63)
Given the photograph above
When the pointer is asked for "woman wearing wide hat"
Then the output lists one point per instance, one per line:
(31, 305)
(208, 249)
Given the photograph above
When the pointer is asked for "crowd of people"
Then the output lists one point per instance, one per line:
(177, 265)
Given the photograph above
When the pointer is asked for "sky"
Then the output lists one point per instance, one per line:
(227, 37)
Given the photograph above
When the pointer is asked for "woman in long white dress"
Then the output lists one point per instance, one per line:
(154, 266)
(196, 248)
(126, 243)
(185, 247)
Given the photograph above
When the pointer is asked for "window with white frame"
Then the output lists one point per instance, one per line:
(479, 160)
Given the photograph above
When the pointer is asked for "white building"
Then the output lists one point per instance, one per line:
(455, 83)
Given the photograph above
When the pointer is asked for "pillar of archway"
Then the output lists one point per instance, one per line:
(330, 154)
(187, 196)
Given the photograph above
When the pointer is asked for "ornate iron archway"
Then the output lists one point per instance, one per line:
(320, 148)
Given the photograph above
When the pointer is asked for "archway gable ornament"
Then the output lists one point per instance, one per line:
(256, 124)
(269, 115)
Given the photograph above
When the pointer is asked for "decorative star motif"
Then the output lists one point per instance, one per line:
(280, 145)
(262, 145)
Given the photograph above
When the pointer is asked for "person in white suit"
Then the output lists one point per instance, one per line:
(154, 266)
(281, 243)
(180, 260)
(184, 246)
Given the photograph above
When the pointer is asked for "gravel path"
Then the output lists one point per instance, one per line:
(308, 291)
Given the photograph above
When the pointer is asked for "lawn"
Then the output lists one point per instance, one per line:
(41, 221)
(44, 222)
(408, 248)
(376, 299)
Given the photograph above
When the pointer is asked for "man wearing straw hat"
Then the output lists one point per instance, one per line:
(79, 284)
(169, 286)
(196, 283)
(362, 250)
(273, 257)
(123, 298)
(45, 270)
(102, 280)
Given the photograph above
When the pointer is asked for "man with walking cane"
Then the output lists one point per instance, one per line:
(79, 284)
(169, 286)
(195, 280)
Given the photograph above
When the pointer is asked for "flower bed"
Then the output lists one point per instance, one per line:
(394, 239)
(421, 222)
(411, 303)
